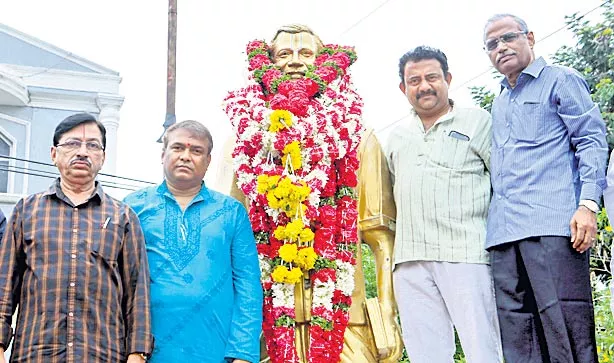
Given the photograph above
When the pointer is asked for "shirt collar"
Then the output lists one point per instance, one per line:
(445, 118)
(203, 194)
(55, 189)
(534, 69)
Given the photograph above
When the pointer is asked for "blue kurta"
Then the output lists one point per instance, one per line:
(206, 297)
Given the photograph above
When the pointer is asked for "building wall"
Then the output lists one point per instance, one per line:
(40, 85)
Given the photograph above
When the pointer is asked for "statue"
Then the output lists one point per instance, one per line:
(299, 146)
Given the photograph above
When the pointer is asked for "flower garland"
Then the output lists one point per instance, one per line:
(296, 161)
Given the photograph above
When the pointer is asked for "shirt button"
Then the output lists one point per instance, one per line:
(72, 284)
(74, 230)
(73, 256)
(498, 197)
(70, 344)
(70, 314)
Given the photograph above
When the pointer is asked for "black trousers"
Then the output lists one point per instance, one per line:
(544, 301)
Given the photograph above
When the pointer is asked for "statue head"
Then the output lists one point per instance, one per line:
(293, 48)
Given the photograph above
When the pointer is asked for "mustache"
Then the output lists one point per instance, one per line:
(501, 55)
(426, 93)
(81, 159)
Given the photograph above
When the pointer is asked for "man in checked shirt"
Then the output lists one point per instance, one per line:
(74, 260)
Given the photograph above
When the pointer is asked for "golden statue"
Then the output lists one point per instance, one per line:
(372, 333)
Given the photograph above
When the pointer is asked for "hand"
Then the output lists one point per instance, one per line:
(132, 358)
(583, 229)
(2, 360)
(239, 361)
(389, 314)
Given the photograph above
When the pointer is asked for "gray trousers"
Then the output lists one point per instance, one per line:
(544, 301)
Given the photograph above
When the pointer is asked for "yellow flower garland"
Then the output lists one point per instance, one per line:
(280, 119)
(293, 150)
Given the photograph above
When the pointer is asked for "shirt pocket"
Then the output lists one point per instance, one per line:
(450, 152)
(106, 243)
(528, 121)
(104, 250)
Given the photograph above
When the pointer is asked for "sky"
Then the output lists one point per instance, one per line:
(130, 36)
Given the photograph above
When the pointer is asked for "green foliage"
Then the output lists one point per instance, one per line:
(601, 252)
(604, 323)
(482, 97)
(322, 263)
(368, 266)
(601, 277)
(284, 320)
(593, 57)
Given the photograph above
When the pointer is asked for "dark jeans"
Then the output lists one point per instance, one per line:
(544, 301)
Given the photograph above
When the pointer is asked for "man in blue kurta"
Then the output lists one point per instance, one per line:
(205, 278)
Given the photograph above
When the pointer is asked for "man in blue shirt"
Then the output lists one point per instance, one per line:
(548, 164)
(205, 278)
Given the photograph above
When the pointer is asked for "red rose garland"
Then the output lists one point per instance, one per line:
(296, 161)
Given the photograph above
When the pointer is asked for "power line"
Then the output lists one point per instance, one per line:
(53, 174)
(51, 165)
(491, 67)
(363, 18)
(582, 16)
(103, 183)
(537, 41)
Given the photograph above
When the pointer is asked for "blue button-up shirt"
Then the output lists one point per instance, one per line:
(548, 153)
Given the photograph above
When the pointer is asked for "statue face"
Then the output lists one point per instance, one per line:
(292, 53)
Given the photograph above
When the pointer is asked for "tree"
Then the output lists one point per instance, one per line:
(482, 97)
(593, 56)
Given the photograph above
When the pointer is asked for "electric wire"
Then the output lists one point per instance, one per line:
(491, 67)
(37, 172)
(363, 18)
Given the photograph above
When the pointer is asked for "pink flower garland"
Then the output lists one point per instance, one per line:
(327, 123)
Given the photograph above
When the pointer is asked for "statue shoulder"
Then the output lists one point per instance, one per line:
(369, 144)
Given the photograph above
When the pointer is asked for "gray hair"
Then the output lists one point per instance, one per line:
(194, 127)
(496, 17)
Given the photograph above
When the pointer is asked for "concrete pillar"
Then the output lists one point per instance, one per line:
(109, 105)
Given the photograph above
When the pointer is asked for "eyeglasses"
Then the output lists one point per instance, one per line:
(73, 145)
(492, 43)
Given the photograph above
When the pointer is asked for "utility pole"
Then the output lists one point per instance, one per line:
(171, 71)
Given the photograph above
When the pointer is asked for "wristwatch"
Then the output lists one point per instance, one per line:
(590, 205)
